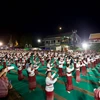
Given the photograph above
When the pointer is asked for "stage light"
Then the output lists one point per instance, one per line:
(85, 46)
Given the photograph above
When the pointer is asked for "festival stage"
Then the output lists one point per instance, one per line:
(82, 90)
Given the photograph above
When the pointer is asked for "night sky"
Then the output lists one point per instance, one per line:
(43, 18)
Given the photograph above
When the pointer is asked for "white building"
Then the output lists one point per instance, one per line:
(61, 41)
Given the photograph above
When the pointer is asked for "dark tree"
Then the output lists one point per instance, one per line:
(26, 39)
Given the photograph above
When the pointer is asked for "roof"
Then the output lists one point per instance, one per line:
(94, 36)
(59, 35)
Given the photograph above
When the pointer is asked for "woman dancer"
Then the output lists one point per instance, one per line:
(50, 85)
(84, 70)
(69, 85)
(78, 71)
(31, 77)
(20, 69)
(60, 69)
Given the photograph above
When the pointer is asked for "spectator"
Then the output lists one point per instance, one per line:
(5, 85)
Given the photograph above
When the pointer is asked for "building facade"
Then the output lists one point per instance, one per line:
(94, 38)
(61, 41)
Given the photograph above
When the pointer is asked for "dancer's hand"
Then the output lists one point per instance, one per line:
(52, 64)
(57, 77)
(94, 89)
(55, 72)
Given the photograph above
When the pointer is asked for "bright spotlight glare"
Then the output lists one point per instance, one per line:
(85, 45)
(1, 43)
(39, 41)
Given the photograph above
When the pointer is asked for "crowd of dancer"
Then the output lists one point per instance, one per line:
(64, 62)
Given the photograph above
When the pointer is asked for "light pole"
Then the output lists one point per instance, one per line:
(60, 28)
(39, 41)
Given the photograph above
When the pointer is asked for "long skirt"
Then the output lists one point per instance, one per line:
(97, 94)
(21, 59)
(20, 75)
(84, 70)
(93, 65)
(96, 61)
(78, 79)
(4, 64)
(24, 67)
(42, 63)
(69, 85)
(74, 65)
(49, 95)
(89, 65)
(60, 71)
(32, 82)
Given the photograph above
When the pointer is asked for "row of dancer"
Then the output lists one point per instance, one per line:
(72, 63)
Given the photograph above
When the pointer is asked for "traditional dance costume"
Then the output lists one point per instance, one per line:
(16, 61)
(50, 87)
(49, 67)
(20, 74)
(78, 72)
(69, 85)
(88, 61)
(84, 70)
(74, 63)
(60, 69)
(32, 78)
(23, 63)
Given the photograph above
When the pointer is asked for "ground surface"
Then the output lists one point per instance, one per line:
(82, 90)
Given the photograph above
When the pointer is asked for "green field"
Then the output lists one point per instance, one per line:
(82, 90)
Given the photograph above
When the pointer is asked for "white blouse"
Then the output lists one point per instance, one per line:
(31, 72)
(69, 70)
(50, 83)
